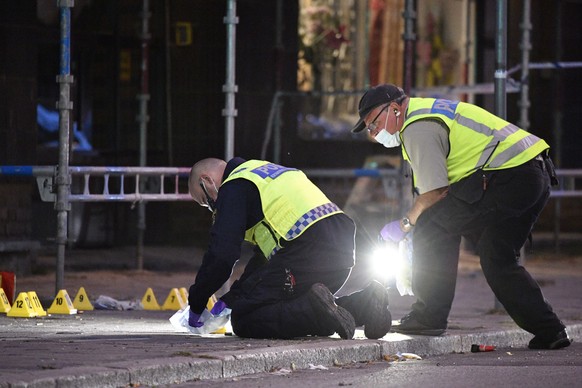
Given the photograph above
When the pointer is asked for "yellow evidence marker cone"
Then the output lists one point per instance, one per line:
(4, 302)
(149, 301)
(174, 301)
(36, 304)
(62, 304)
(81, 301)
(211, 301)
(22, 307)
(184, 294)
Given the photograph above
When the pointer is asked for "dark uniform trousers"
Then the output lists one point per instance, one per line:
(497, 221)
(271, 298)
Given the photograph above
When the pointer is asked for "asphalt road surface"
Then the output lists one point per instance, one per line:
(499, 368)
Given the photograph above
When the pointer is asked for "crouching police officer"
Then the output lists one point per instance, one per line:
(304, 254)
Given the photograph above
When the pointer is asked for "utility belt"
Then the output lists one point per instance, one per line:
(472, 188)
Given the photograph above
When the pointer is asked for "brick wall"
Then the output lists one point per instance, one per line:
(15, 211)
(18, 129)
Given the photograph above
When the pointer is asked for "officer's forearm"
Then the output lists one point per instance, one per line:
(424, 201)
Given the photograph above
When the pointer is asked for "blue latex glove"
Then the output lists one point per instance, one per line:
(193, 319)
(392, 232)
(218, 307)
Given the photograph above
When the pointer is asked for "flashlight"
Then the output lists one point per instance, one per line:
(391, 264)
(385, 262)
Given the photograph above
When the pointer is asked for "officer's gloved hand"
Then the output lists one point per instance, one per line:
(218, 307)
(392, 232)
(193, 319)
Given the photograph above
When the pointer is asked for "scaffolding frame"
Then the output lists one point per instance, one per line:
(65, 105)
(55, 181)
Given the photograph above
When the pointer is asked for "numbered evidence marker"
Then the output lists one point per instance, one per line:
(22, 307)
(4, 302)
(174, 301)
(81, 301)
(36, 304)
(62, 304)
(211, 302)
(149, 301)
(184, 294)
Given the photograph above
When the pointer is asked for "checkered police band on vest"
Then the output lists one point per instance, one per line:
(309, 217)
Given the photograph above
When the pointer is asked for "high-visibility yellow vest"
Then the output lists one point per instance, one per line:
(290, 202)
(474, 134)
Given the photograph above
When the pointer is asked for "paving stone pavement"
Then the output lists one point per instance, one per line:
(104, 348)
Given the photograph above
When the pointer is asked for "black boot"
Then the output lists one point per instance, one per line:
(331, 316)
(409, 324)
(369, 307)
(558, 341)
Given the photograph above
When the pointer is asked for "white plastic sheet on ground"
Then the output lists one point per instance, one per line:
(211, 322)
(104, 302)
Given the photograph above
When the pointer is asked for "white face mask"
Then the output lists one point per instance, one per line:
(388, 140)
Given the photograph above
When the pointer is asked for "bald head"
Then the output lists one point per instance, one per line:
(209, 172)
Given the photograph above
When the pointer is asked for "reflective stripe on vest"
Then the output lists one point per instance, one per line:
(474, 134)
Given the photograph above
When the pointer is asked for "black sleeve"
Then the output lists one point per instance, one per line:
(236, 212)
(256, 261)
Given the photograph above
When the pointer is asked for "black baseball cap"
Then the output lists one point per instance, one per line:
(375, 96)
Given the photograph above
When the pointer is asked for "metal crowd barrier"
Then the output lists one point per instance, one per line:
(135, 184)
(115, 184)
(567, 184)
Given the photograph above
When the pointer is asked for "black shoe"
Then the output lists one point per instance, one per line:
(377, 319)
(560, 340)
(409, 325)
(331, 315)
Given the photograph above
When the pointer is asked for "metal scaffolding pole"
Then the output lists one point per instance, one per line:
(409, 38)
(558, 115)
(501, 74)
(143, 120)
(526, 27)
(168, 55)
(409, 44)
(64, 105)
(230, 88)
(467, 78)
(279, 68)
(558, 85)
(501, 59)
